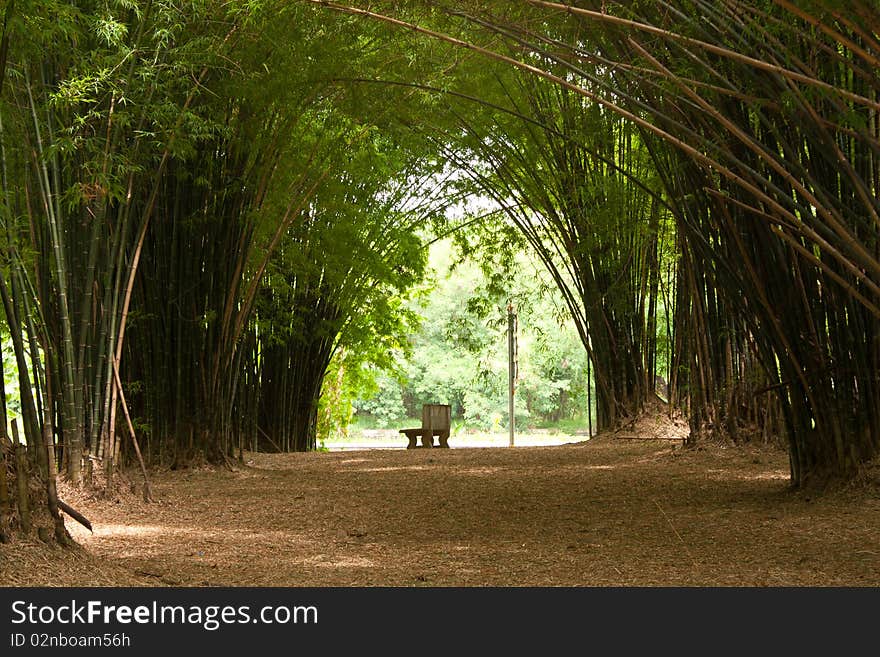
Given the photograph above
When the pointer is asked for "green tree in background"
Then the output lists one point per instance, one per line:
(459, 355)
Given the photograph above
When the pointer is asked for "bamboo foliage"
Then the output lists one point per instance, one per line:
(337, 276)
(100, 108)
(245, 287)
(337, 242)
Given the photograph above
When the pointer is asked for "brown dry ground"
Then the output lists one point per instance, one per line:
(603, 513)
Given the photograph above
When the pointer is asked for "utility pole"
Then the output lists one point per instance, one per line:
(511, 368)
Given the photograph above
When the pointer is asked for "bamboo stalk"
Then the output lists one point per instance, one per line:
(21, 480)
(4, 493)
(71, 419)
(4, 444)
(32, 432)
(52, 476)
(76, 515)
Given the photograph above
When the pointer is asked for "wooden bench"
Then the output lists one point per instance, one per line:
(436, 421)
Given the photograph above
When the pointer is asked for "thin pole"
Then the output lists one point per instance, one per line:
(511, 369)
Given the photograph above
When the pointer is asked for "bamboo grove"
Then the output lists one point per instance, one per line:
(204, 204)
(760, 124)
(172, 176)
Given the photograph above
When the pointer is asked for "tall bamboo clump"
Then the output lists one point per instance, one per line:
(22, 464)
(198, 279)
(255, 271)
(787, 145)
(99, 102)
(773, 111)
(28, 492)
(337, 281)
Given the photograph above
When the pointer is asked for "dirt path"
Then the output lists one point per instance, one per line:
(602, 513)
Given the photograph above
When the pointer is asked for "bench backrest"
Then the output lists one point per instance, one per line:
(437, 417)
